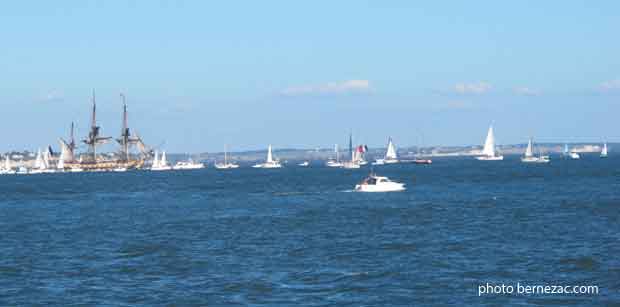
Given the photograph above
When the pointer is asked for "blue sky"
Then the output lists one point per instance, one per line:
(201, 74)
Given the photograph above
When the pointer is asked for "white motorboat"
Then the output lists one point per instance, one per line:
(528, 156)
(187, 165)
(374, 183)
(160, 165)
(604, 151)
(488, 151)
(304, 164)
(270, 163)
(119, 169)
(226, 164)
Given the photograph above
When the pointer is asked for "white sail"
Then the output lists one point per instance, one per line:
(156, 159)
(391, 151)
(528, 151)
(269, 155)
(337, 153)
(163, 159)
(566, 149)
(604, 151)
(46, 159)
(489, 144)
(7, 163)
(61, 162)
(38, 162)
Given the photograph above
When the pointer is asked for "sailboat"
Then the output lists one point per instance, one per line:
(160, 165)
(572, 154)
(270, 163)
(390, 155)
(488, 152)
(529, 157)
(332, 162)
(226, 164)
(604, 150)
(6, 168)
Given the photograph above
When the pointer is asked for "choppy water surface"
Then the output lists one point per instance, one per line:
(297, 236)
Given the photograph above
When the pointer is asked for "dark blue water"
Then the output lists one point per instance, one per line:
(297, 236)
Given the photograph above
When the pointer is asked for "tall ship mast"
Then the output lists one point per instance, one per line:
(94, 137)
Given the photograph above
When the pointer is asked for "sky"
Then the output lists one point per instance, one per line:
(201, 74)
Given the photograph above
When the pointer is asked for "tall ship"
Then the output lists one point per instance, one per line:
(92, 160)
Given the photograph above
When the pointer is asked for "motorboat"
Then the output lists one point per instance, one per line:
(188, 165)
(488, 151)
(270, 162)
(304, 164)
(374, 183)
(423, 161)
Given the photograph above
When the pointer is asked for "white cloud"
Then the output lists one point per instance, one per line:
(53, 95)
(526, 91)
(349, 86)
(472, 88)
(611, 85)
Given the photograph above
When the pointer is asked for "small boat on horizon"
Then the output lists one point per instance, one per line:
(160, 165)
(332, 162)
(489, 152)
(270, 162)
(528, 156)
(226, 164)
(390, 155)
(604, 151)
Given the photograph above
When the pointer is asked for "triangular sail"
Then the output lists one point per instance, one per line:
(156, 159)
(604, 151)
(38, 162)
(391, 151)
(269, 155)
(337, 153)
(565, 149)
(7, 163)
(489, 144)
(528, 152)
(163, 159)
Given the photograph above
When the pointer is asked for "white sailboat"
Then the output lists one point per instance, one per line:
(332, 162)
(529, 157)
(270, 163)
(390, 155)
(39, 164)
(604, 150)
(488, 152)
(226, 164)
(6, 168)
